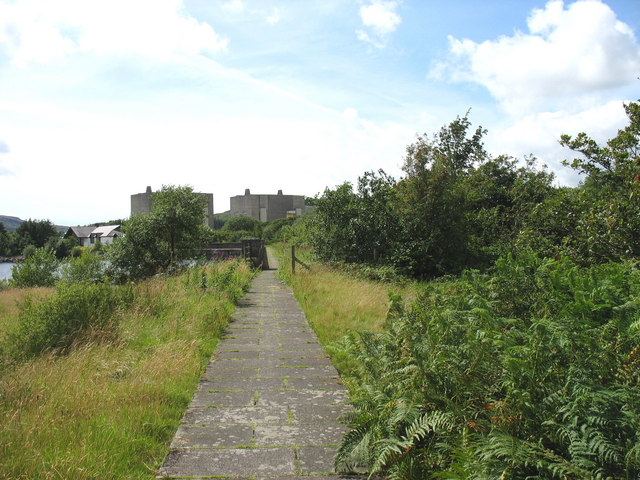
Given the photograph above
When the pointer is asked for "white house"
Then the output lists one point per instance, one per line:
(89, 236)
(105, 235)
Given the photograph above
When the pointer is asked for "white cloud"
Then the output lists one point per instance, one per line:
(274, 17)
(350, 114)
(568, 52)
(570, 71)
(234, 6)
(539, 134)
(39, 31)
(381, 18)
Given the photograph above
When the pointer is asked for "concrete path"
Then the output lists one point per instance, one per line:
(268, 406)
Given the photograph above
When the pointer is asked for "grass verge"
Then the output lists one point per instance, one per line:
(109, 406)
(337, 302)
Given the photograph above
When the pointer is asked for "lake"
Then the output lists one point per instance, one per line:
(5, 270)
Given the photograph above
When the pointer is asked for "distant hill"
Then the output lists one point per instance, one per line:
(12, 223)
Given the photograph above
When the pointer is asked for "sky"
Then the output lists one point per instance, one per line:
(100, 99)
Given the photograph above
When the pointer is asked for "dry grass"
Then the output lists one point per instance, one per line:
(109, 408)
(88, 413)
(10, 301)
(336, 303)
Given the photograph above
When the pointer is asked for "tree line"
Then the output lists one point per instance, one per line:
(32, 234)
(457, 207)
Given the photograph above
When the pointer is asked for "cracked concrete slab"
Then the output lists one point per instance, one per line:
(314, 383)
(203, 398)
(216, 371)
(303, 397)
(239, 383)
(319, 413)
(315, 460)
(307, 361)
(299, 371)
(324, 434)
(229, 462)
(271, 414)
(190, 436)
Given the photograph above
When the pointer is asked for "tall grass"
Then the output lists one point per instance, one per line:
(11, 300)
(337, 302)
(108, 406)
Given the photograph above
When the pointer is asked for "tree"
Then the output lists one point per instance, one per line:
(610, 225)
(171, 232)
(433, 201)
(376, 226)
(332, 225)
(140, 253)
(179, 214)
(4, 241)
(37, 270)
(502, 193)
(36, 232)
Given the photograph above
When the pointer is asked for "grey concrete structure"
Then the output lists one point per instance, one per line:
(270, 403)
(141, 203)
(267, 207)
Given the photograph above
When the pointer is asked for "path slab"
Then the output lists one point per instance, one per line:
(324, 434)
(229, 462)
(190, 436)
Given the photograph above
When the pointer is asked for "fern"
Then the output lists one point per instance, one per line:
(530, 372)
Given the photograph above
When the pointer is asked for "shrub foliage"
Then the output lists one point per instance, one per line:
(65, 318)
(529, 372)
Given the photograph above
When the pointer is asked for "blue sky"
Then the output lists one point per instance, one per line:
(100, 99)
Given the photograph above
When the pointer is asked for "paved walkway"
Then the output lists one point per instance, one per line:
(269, 402)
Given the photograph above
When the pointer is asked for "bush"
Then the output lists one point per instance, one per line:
(64, 319)
(531, 372)
(37, 270)
(230, 236)
(242, 223)
(87, 268)
(272, 231)
(28, 251)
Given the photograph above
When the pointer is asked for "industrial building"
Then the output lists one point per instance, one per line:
(267, 207)
(141, 203)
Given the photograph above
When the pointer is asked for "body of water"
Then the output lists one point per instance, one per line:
(5, 270)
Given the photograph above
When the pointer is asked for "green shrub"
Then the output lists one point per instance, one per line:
(37, 270)
(243, 223)
(531, 372)
(376, 273)
(64, 319)
(275, 230)
(86, 268)
(28, 251)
